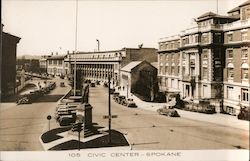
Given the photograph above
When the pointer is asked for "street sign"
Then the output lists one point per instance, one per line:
(49, 117)
(107, 117)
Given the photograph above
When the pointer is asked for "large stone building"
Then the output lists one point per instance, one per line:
(8, 65)
(100, 65)
(192, 63)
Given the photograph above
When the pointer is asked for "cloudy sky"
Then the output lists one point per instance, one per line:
(47, 26)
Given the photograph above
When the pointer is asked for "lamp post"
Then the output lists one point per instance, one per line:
(127, 90)
(98, 44)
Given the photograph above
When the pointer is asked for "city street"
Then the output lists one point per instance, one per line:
(146, 130)
(22, 125)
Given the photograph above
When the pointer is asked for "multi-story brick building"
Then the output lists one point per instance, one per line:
(237, 60)
(100, 65)
(192, 62)
(8, 64)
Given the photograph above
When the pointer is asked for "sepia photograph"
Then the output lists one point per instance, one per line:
(125, 80)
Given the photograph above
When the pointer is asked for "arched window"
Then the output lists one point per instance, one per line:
(244, 71)
(230, 70)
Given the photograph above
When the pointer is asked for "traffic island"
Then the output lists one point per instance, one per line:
(95, 137)
(117, 140)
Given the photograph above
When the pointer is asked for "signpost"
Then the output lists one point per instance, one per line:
(49, 118)
(78, 127)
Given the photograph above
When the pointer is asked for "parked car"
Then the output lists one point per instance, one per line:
(112, 90)
(97, 82)
(115, 94)
(66, 120)
(129, 102)
(168, 112)
(62, 84)
(120, 99)
(92, 84)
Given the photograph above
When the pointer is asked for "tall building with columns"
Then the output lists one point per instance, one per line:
(99, 65)
(198, 63)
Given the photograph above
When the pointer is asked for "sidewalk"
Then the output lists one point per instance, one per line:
(217, 118)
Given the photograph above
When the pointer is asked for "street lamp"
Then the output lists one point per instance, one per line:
(127, 90)
(98, 44)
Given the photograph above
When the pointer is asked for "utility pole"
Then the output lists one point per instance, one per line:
(109, 111)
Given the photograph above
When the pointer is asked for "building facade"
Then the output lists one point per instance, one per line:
(57, 66)
(140, 78)
(195, 63)
(237, 60)
(100, 65)
(8, 65)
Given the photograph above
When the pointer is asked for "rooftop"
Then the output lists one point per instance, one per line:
(130, 66)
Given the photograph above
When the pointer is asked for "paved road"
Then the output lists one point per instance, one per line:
(21, 125)
(147, 130)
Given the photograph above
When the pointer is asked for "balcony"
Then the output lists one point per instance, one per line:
(236, 25)
(170, 38)
(197, 29)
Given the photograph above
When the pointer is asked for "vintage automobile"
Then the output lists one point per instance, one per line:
(129, 102)
(66, 120)
(120, 99)
(115, 94)
(92, 84)
(62, 84)
(168, 112)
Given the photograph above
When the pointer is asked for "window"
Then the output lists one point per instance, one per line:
(244, 53)
(60, 62)
(244, 95)
(205, 73)
(230, 37)
(230, 54)
(244, 71)
(230, 73)
(166, 69)
(217, 37)
(196, 40)
(205, 54)
(183, 70)
(192, 71)
(172, 70)
(204, 38)
(230, 91)
(243, 36)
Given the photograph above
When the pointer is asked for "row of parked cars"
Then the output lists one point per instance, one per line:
(66, 110)
(129, 102)
(31, 95)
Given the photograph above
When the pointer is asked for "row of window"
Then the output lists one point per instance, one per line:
(231, 37)
(243, 97)
(55, 62)
(98, 56)
(244, 73)
(244, 53)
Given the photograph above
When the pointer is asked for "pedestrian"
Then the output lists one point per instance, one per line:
(123, 87)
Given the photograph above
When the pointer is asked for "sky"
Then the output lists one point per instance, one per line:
(46, 26)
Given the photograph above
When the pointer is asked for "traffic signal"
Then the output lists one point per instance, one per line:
(77, 127)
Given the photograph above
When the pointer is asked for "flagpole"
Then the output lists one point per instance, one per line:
(75, 48)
